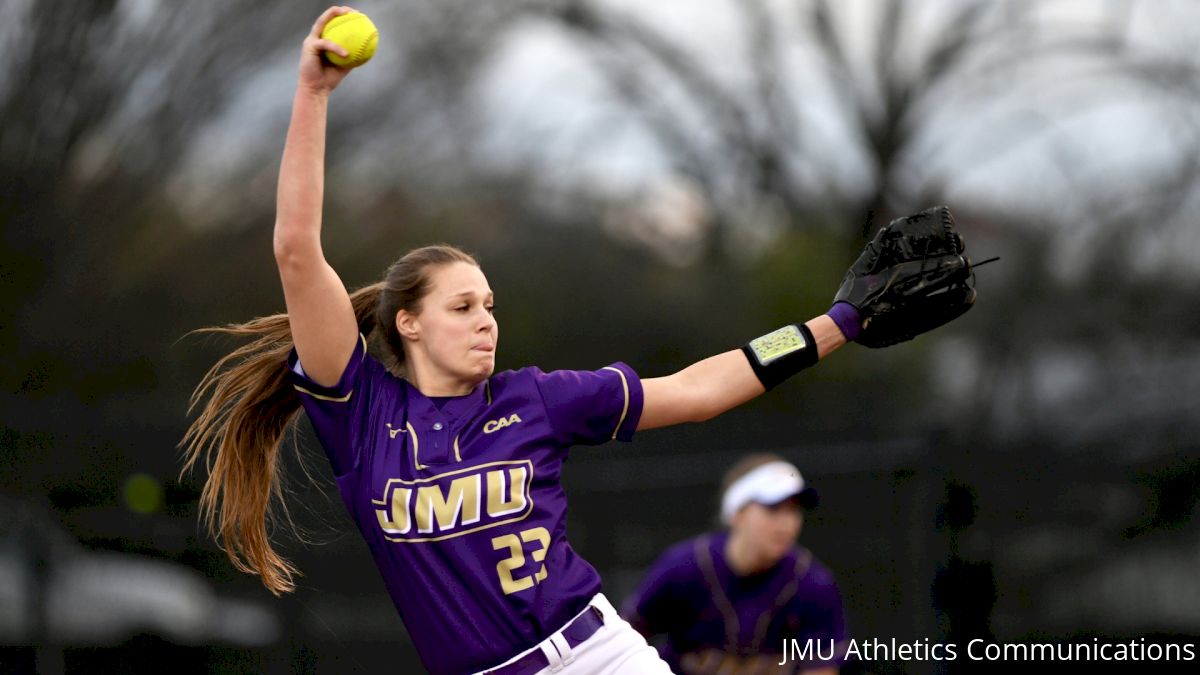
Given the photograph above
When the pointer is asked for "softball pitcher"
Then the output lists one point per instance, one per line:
(449, 470)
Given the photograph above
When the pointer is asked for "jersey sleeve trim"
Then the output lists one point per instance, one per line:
(338, 392)
(631, 411)
(340, 399)
(625, 408)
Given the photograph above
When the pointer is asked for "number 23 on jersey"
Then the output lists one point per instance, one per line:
(514, 543)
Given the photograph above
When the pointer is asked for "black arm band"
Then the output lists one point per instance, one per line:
(780, 354)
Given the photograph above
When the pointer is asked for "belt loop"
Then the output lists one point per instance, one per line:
(551, 651)
(564, 649)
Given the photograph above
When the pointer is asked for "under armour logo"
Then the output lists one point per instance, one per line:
(392, 432)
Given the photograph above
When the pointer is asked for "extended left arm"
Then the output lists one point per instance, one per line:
(910, 278)
(719, 383)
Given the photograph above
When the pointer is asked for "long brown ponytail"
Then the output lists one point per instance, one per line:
(247, 404)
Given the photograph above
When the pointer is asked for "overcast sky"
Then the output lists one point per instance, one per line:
(543, 104)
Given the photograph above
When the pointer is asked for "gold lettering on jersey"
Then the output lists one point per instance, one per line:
(499, 503)
(459, 506)
(456, 502)
(497, 425)
(392, 432)
(395, 520)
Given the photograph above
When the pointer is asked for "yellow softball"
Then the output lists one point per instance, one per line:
(356, 33)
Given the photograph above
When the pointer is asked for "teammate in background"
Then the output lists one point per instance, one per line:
(727, 601)
(449, 470)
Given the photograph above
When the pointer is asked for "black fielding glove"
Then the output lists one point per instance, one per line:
(910, 279)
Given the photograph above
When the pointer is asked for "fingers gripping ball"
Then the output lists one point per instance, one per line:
(356, 33)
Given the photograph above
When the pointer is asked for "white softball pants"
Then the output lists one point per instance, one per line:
(614, 649)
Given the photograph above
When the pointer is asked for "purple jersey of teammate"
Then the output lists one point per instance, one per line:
(459, 499)
(711, 616)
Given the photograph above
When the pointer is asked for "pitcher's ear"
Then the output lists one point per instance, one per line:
(407, 325)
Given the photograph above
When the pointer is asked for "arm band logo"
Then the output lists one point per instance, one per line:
(780, 354)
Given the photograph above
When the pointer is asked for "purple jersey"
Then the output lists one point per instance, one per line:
(459, 499)
(712, 616)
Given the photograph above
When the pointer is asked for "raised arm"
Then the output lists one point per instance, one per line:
(719, 383)
(322, 319)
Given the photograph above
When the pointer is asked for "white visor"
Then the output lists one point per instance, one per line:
(768, 484)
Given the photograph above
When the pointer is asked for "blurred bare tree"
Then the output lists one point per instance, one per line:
(921, 94)
(98, 101)
(809, 115)
(805, 118)
(925, 97)
(101, 105)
